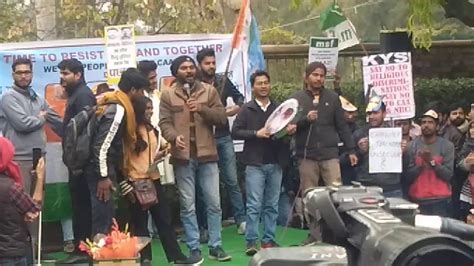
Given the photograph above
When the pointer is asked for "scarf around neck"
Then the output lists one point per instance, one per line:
(119, 97)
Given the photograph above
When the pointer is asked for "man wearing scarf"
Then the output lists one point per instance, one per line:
(114, 139)
(23, 114)
(189, 111)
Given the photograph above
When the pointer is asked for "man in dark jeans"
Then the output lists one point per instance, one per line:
(79, 96)
(225, 145)
(111, 145)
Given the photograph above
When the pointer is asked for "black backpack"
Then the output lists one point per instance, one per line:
(77, 140)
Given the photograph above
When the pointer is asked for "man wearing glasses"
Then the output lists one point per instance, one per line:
(23, 114)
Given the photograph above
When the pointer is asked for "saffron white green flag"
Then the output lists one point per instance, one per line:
(335, 24)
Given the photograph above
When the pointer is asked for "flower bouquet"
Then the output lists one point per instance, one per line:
(116, 245)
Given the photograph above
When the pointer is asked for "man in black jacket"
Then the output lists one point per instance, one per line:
(264, 158)
(389, 182)
(350, 116)
(79, 96)
(111, 144)
(225, 145)
(319, 131)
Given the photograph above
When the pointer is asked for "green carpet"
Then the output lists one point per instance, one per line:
(233, 244)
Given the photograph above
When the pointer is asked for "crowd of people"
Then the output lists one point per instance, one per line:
(137, 126)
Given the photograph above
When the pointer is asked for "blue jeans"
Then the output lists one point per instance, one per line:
(17, 261)
(228, 171)
(102, 212)
(206, 175)
(263, 185)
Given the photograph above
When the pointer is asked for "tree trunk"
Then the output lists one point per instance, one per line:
(46, 19)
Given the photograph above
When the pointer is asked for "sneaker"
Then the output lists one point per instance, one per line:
(194, 258)
(241, 228)
(69, 246)
(203, 236)
(271, 244)
(251, 248)
(218, 254)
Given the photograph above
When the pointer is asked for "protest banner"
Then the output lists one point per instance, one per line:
(390, 76)
(120, 51)
(324, 50)
(91, 52)
(385, 151)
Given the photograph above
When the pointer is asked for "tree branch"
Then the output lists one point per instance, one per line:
(164, 25)
(117, 18)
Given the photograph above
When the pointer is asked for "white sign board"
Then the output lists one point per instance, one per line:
(324, 50)
(390, 76)
(385, 151)
(120, 50)
(346, 34)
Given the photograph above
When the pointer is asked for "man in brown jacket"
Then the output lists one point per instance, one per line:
(189, 111)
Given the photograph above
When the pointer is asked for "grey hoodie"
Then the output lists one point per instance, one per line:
(21, 124)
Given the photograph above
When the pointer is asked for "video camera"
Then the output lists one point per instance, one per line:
(360, 227)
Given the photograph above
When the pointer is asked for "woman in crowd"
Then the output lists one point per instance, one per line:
(17, 208)
(143, 167)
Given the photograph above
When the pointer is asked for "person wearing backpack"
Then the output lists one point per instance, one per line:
(79, 96)
(113, 140)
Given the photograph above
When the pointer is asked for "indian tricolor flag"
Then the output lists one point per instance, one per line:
(246, 39)
(57, 198)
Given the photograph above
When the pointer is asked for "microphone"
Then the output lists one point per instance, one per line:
(316, 101)
(187, 89)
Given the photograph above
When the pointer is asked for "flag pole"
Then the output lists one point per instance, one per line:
(358, 38)
(226, 72)
(235, 36)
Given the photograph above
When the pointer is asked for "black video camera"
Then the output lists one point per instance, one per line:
(360, 227)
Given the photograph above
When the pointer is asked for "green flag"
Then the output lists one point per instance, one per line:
(331, 17)
(335, 24)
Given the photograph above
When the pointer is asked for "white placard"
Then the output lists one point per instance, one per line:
(324, 50)
(385, 151)
(390, 75)
(120, 50)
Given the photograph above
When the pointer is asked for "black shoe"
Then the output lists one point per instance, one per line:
(194, 258)
(251, 248)
(75, 258)
(218, 254)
